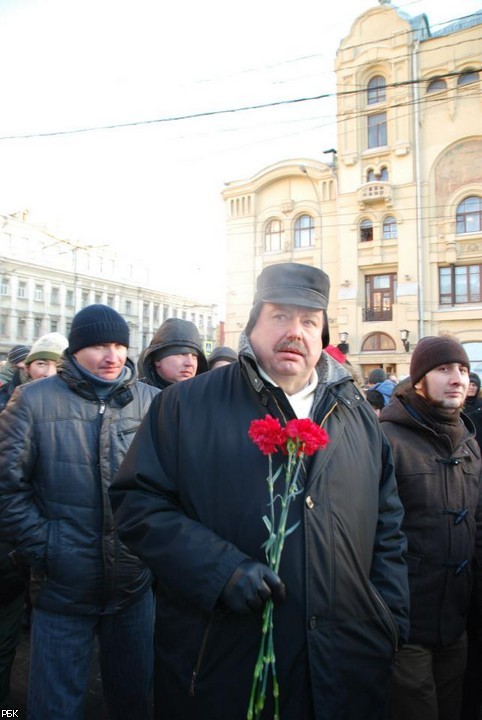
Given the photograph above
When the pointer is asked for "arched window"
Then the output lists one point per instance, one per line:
(273, 236)
(371, 177)
(469, 215)
(376, 90)
(378, 341)
(467, 77)
(436, 85)
(389, 228)
(366, 231)
(384, 174)
(304, 231)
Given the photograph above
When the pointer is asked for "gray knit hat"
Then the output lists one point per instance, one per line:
(96, 324)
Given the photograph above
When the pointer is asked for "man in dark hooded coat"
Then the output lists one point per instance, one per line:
(174, 354)
(190, 499)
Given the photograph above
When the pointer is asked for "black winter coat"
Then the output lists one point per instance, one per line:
(190, 497)
(440, 491)
(59, 450)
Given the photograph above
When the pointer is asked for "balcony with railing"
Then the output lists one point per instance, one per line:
(372, 192)
(372, 315)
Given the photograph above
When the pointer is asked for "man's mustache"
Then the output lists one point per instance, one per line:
(291, 347)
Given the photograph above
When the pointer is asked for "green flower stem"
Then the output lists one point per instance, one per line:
(266, 660)
(291, 486)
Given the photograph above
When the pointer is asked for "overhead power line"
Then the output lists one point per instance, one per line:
(225, 111)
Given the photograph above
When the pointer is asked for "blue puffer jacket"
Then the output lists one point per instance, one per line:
(59, 449)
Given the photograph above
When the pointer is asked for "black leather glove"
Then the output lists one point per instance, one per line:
(250, 585)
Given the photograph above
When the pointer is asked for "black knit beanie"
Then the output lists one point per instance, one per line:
(430, 352)
(473, 377)
(97, 324)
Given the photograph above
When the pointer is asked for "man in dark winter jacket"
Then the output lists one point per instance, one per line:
(61, 441)
(437, 465)
(191, 496)
(175, 353)
(473, 405)
(11, 375)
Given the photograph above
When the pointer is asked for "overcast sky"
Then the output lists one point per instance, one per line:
(153, 188)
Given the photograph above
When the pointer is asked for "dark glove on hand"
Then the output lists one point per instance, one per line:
(250, 585)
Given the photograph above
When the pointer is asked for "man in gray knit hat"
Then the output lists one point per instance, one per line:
(61, 441)
(437, 465)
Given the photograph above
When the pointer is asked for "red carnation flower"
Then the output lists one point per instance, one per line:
(307, 435)
(267, 434)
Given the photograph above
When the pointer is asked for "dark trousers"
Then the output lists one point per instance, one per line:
(427, 682)
(10, 633)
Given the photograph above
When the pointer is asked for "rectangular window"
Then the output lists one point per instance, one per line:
(37, 327)
(380, 291)
(21, 328)
(85, 298)
(377, 130)
(39, 293)
(69, 298)
(55, 296)
(4, 325)
(54, 326)
(5, 288)
(98, 298)
(22, 290)
(128, 307)
(110, 301)
(460, 284)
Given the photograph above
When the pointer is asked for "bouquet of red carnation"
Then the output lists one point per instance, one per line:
(296, 440)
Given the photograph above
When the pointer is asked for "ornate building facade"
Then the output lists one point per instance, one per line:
(395, 218)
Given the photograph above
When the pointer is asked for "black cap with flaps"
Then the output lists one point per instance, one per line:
(293, 284)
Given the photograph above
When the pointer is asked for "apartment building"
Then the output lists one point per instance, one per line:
(394, 216)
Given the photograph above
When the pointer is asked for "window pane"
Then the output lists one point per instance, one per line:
(376, 90)
(377, 130)
(436, 85)
(474, 283)
(461, 284)
(389, 228)
(469, 215)
(366, 231)
(468, 77)
(304, 231)
(273, 236)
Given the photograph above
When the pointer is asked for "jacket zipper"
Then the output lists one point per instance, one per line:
(102, 407)
(387, 612)
(197, 667)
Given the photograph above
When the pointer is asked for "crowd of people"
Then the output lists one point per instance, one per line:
(135, 511)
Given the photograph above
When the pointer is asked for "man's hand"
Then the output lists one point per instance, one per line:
(250, 585)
